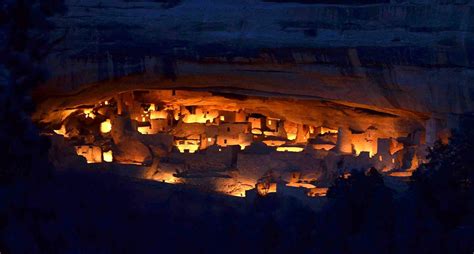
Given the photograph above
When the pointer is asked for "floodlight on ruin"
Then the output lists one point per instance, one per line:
(197, 118)
(317, 192)
(144, 130)
(361, 147)
(265, 188)
(190, 146)
(61, 131)
(170, 180)
(291, 136)
(152, 107)
(301, 185)
(274, 142)
(108, 156)
(325, 130)
(293, 149)
(92, 154)
(402, 174)
(88, 113)
(106, 126)
(158, 115)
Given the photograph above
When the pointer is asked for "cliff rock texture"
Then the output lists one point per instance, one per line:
(408, 56)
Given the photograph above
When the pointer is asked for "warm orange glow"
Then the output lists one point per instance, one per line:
(201, 116)
(144, 130)
(295, 177)
(88, 113)
(172, 180)
(326, 147)
(402, 174)
(274, 142)
(414, 163)
(293, 149)
(196, 119)
(106, 126)
(270, 133)
(238, 192)
(204, 133)
(395, 146)
(108, 157)
(318, 192)
(169, 178)
(61, 131)
(158, 115)
(93, 154)
(189, 145)
(266, 188)
(256, 123)
(324, 130)
(365, 142)
(164, 177)
(301, 185)
(363, 147)
(291, 136)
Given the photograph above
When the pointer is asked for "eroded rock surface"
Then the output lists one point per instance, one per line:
(414, 56)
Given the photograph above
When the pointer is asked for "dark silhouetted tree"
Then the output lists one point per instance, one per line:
(439, 207)
(359, 218)
(24, 43)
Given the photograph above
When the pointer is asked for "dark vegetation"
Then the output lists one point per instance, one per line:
(24, 42)
(164, 3)
(345, 2)
(92, 212)
(43, 211)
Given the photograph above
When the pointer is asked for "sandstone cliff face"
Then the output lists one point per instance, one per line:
(408, 56)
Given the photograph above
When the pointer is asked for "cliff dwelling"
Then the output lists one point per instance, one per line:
(224, 105)
(232, 141)
(225, 126)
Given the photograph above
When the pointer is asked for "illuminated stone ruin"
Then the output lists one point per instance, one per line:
(227, 143)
